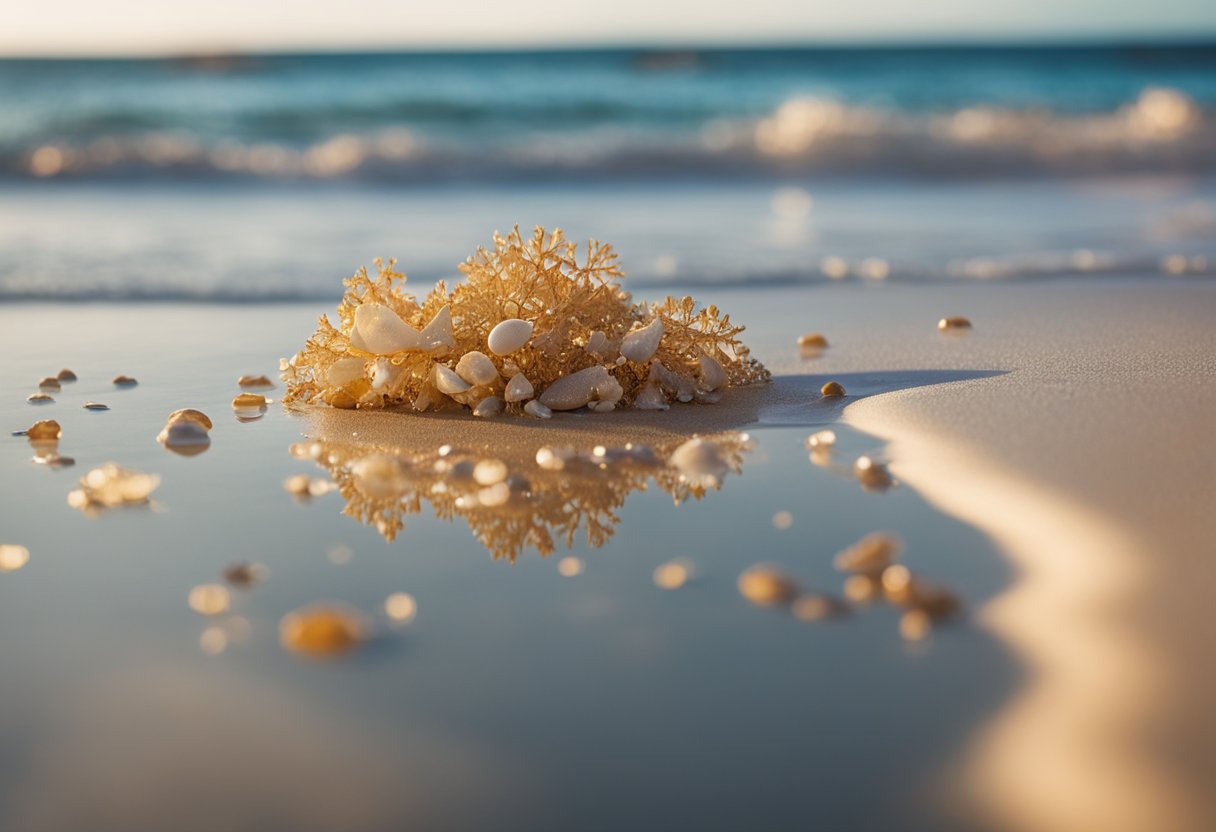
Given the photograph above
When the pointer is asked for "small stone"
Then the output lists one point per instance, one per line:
(783, 520)
(488, 407)
(767, 586)
(438, 336)
(40, 398)
(673, 574)
(651, 397)
(477, 369)
(571, 567)
(401, 607)
(384, 374)
(869, 556)
(189, 414)
(50, 383)
(915, 625)
(872, 474)
(820, 440)
(323, 630)
(209, 599)
(575, 390)
(813, 341)
(345, 370)
(380, 331)
(124, 381)
(380, 477)
(813, 606)
(112, 486)
(713, 374)
(95, 406)
(448, 383)
(184, 436)
(953, 324)
(490, 471)
(518, 388)
(66, 375)
(245, 574)
(244, 401)
(44, 430)
(254, 381)
(509, 336)
(832, 389)
(641, 344)
(297, 484)
(13, 557)
(699, 463)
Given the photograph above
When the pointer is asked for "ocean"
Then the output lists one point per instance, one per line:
(270, 177)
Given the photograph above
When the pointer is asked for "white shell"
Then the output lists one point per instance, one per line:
(713, 374)
(651, 398)
(182, 433)
(343, 371)
(379, 477)
(538, 410)
(448, 382)
(438, 335)
(518, 388)
(381, 331)
(384, 373)
(476, 368)
(699, 463)
(679, 386)
(575, 390)
(489, 406)
(641, 344)
(509, 336)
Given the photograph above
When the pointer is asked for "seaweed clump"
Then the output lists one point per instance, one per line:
(533, 328)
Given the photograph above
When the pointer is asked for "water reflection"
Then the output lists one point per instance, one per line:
(521, 495)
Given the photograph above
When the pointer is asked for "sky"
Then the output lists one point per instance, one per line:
(156, 27)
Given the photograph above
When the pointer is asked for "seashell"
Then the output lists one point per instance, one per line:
(43, 430)
(554, 459)
(124, 381)
(65, 375)
(50, 383)
(651, 398)
(679, 386)
(813, 341)
(189, 414)
(13, 557)
(821, 440)
(380, 331)
(248, 400)
(476, 368)
(575, 390)
(490, 471)
(955, 323)
(609, 391)
(518, 388)
(254, 381)
(833, 389)
(343, 371)
(96, 406)
(438, 336)
(380, 477)
(323, 630)
(699, 462)
(209, 599)
(641, 344)
(447, 382)
(713, 375)
(538, 410)
(767, 586)
(40, 398)
(509, 335)
(184, 436)
(488, 407)
(872, 474)
(384, 373)
(870, 555)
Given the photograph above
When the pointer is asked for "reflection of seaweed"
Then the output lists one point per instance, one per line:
(536, 497)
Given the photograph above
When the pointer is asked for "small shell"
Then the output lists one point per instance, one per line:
(821, 439)
(575, 390)
(380, 477)
(597, 342)
(95, 406)
(254, 381)
(66, 375)
(602, 407)
(767, 586)
(641, 344)
(713, 375)
(955, 323)
(438, 336)
(343, 371)
(248, 400)
(833, 389)
(384, 373)
(124, 381)
(43, 430)
(40, 398)
(869, 556)
(182, 434)
(380, 330)
(488, 407)
(447, 382)
(700, 463)
(508, 336)
(537, 410)
(872, 474)
(323, 630)
(476, 368)
(812, 341)
(50, 383)
(518, 388)
(189, 414)
(13, 557)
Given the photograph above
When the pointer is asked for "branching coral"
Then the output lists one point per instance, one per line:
(579, 328)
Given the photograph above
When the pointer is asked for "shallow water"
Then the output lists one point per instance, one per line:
(518, 697)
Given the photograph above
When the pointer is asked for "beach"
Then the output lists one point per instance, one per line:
(518, 691)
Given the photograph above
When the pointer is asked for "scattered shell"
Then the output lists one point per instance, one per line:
(380, 477)
(488, 407)
(303, 486)
(477, 369)
(40, 398)
(813, 341)
(821, 439)
(641, 344)
(209, 599)
(323, 630)
(184, 436)
(245, 574)
(872, 474)
(813, 606)
(870, 555)
(713, 374)
(448, 383)
(111, 486)
(575, 390)
(13, 557)
(518, 388)
(44, 430)
(254, 381)
(438, 336)
(245, 401)
(538, 410)
(380, 331)
(955, 323)
(571, 567)
(508, 336)
(651, 398)
(189, 414)
(66, 375)
(832, 389)
(343, 371)
(124, 381)
(50, 383)
(673, 574)
(700, 463)
(767, 586)
(96, 406)
(401, 607)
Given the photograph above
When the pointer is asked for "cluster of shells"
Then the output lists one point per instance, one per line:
(533, 329)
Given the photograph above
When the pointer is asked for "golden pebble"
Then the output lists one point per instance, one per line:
(13, 557)
(767, 586)
(40, 398)
(44, 430)
(66, 375)
(254, 381)
(323, 630)
(821, 440)
(571, 567)
(95, 406)
(189, 414)
(813, 341)
(245, 574)
(401, 607)
(50, 383)
(124, 381)
(897, 583)
(861, 588)
(248, 400)
(953, 324)
(813, 606)
(832, 389)
(209, 599)
(870, 555)
(783, 520)
(915, 625)
(673, 574)
(298, 485)
(872, 474)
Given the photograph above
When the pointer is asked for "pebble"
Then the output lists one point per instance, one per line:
(447, 382)
(713, 374)
(821, 439)
(641, 344)
(509, 336)
(323, 630)
(813, 606)
(870, 555)
(13, 557)
(575, 390)
(380, 477)
(401, 607)
(44, 430)
(700, 463)
(245, 401)
(783, 520)
(184, 436)
(209, 599)
(955, 323)
(673, 574)
(813, 341)
(518, 388)
(872, 474)
(95, 406)
(488, 407)
(477, 369)
(384, 373)
(254, 381)
(490, 471)
(50, 383)
(189, 414)
(538, 410)
(915, 625)
(832, 389)
(245, 574)
(651, 397)
(66, 375)
(40, 398)
(112, 486)
(345, 370)
(124, 381)
(767, 586)
(571, 567)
